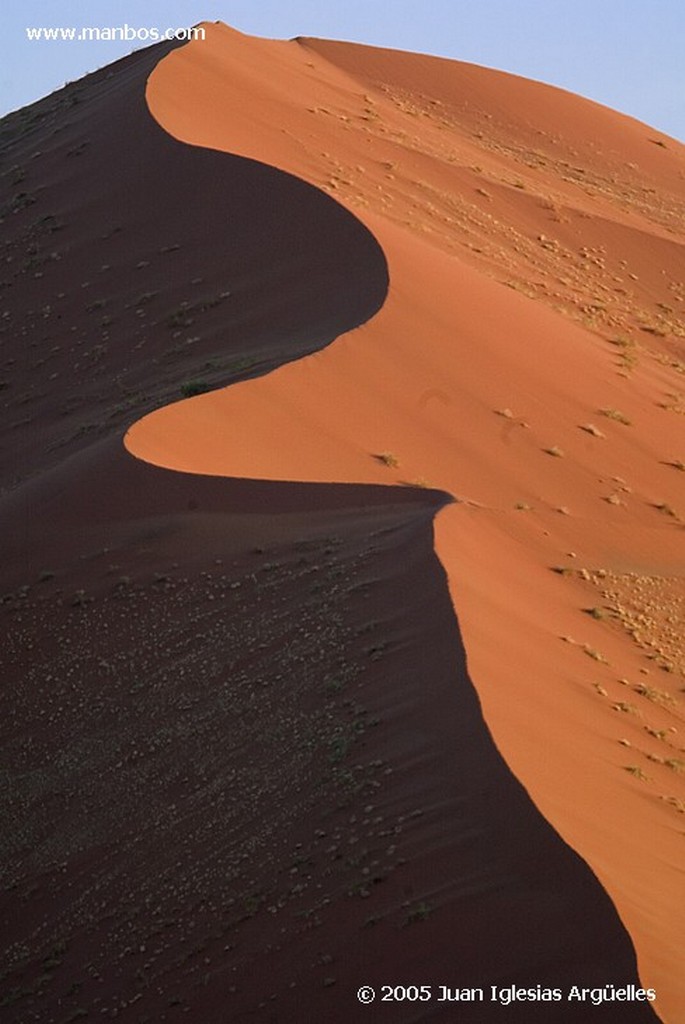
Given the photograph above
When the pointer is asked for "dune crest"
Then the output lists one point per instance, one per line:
(245, 765)
(548, 408)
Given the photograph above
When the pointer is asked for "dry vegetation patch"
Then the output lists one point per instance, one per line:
(651, 610)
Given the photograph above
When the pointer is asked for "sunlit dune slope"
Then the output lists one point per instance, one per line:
(528, 360)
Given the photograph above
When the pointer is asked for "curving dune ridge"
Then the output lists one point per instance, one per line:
(577, 207)
(247, 768)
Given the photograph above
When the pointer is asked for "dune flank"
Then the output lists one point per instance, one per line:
(367, 669)
(527, 361)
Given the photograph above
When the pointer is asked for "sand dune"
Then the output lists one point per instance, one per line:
(248, 770)
(558, 470)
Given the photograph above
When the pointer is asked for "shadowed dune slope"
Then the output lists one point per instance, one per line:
(123, 282)
(527, 360)
(244, 746)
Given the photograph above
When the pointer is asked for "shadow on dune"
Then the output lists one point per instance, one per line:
(137, 268)
(245, 757)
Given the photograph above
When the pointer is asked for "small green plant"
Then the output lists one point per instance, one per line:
(180, 317)
(252, 903)
(419, 912)
(191, 388)
(338, 749)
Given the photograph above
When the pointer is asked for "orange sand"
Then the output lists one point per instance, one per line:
(472, 180)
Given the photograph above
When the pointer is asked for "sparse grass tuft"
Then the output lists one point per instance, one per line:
(625, 707)
(617, 416)
(597, 613)
(636, 771)
(595, 655)
(661, 697)
(628, 351)
(388, 459)
(667, 509)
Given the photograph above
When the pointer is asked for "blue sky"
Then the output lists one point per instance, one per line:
(627, 54)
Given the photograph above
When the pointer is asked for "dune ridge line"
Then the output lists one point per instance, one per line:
(491, 312)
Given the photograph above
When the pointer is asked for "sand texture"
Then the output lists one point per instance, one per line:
(342, 497)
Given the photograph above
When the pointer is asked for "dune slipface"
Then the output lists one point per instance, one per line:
(249, 771)
(493, 398)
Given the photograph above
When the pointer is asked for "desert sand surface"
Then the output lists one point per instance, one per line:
(367, 668)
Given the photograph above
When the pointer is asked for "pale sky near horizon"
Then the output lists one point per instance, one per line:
(627, 54)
